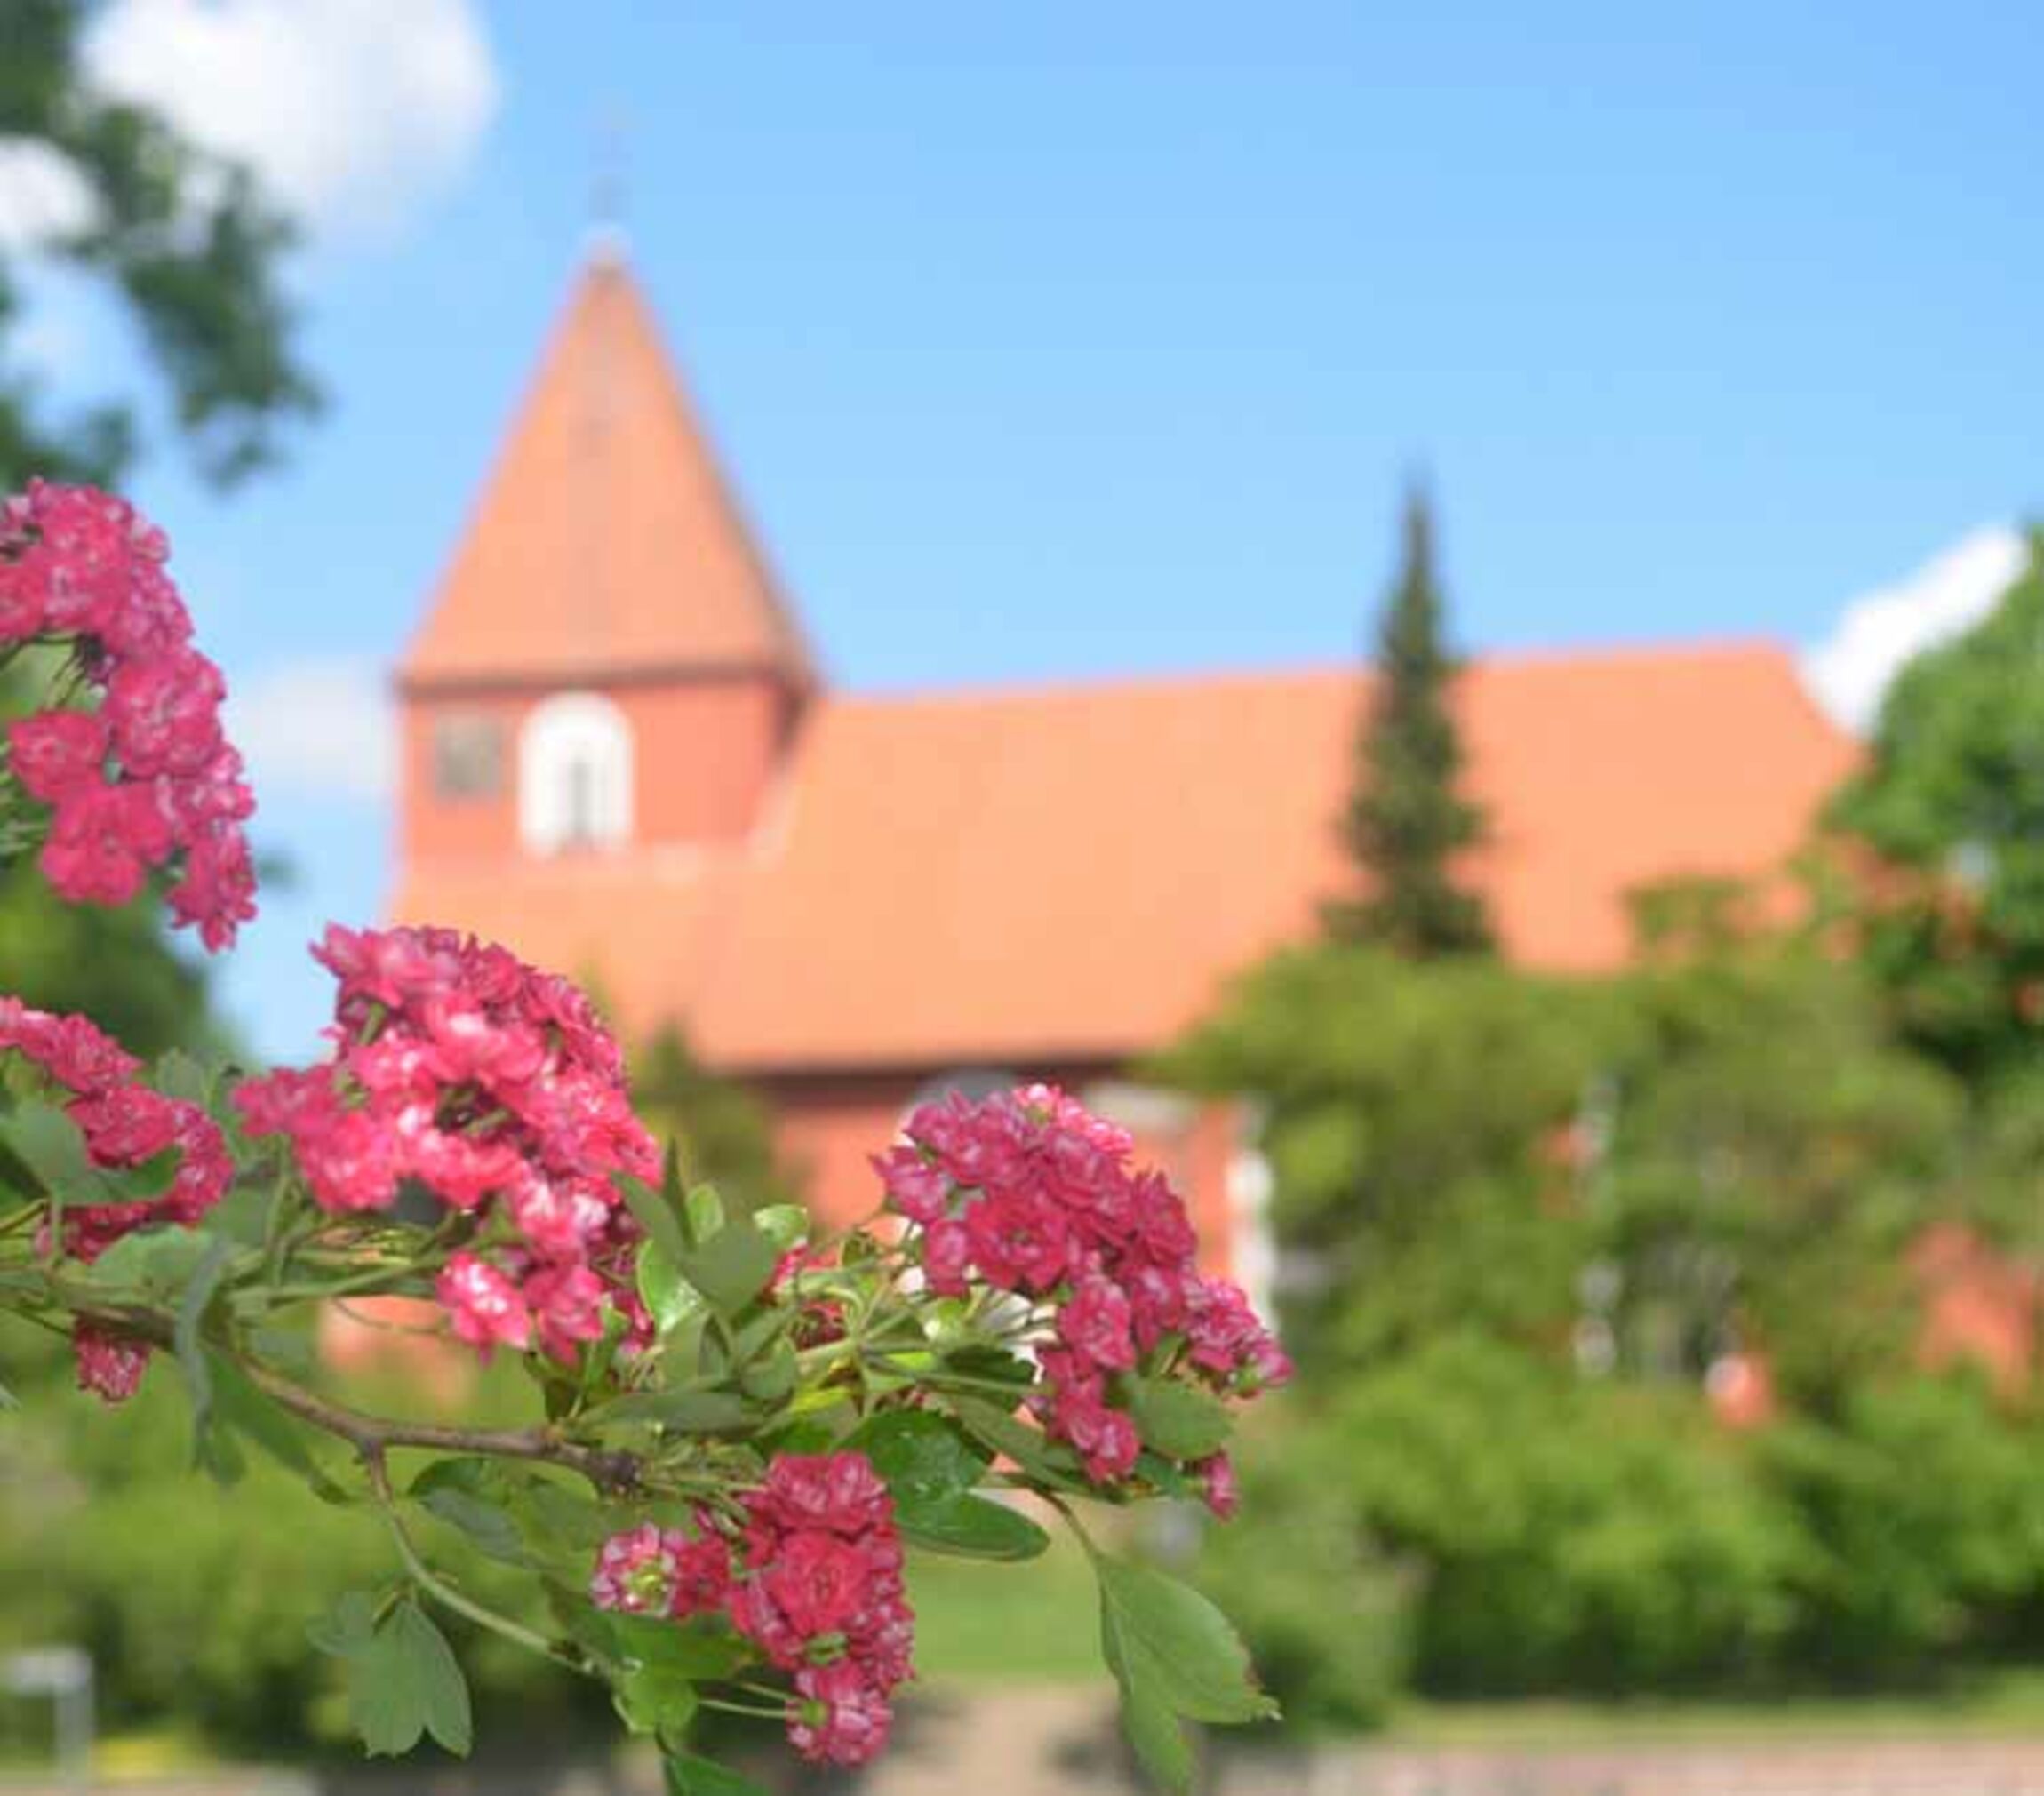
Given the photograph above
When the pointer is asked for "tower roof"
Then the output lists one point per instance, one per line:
(607, 543)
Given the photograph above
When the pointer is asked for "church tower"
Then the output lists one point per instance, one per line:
(608, 665)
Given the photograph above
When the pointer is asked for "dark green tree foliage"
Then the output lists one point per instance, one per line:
(1768, 1157)
(1407, 822)
(1951, 802)
(723, 1132)
(186, 242)
(1413, 1112)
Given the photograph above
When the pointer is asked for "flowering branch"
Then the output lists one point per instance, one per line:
(765, 1418)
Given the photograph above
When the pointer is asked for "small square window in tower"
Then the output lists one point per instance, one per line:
(467, 757)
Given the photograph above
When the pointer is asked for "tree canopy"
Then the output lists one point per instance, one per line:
(187, 243)
(1950, 804)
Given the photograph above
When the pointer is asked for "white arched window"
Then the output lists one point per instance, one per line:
(574, 775)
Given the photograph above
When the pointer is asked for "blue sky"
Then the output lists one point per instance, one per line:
(1067, 340)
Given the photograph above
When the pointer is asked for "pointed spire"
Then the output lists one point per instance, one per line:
(607, 542)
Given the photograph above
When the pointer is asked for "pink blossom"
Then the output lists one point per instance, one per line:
(484, 1306)
(109, 1365)
(817, 1581)
(639, 1572)
(947, 1253)
(1223, 1495)
(102, 841)
(1019, 1242)
(916, 1186)
(56, 753)
(125, 1124)
(820, 1594)
(146, 780)
(1095, 1322)
(837, 1717)
(567, 1302)
(72, 1050)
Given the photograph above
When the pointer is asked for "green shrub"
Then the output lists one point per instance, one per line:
(192, 1601)
(1923, 1510)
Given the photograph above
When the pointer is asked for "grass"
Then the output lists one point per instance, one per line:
(1999, 1703)
(977, 1624)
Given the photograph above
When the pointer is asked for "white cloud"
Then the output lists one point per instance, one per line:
(1878, 632)
(355, 113)
(42, 195)
(323, 727)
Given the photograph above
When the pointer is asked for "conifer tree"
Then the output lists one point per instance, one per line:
(1407, 822)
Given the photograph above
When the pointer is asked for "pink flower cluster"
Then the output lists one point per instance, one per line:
(148, 776)
(1031, 1194)
(461, 1071)
(125, 1124)
(815, 1584)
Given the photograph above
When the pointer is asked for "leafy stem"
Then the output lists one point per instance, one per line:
(444, 1594)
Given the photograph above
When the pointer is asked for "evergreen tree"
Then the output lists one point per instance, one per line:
(1405, 822)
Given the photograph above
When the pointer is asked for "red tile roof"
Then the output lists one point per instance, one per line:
(607, 538)
(1070, 873)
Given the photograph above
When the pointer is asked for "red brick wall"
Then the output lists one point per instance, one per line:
(704, 752)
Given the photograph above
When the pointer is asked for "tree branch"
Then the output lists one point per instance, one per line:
(609, 1471)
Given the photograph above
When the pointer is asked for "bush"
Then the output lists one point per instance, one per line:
(1923, 1522)
(1566, 1536)
(193, 1603)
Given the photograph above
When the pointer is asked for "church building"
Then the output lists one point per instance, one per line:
(623, 758)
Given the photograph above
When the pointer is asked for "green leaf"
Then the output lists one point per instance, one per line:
(185, 1338)
(654, 1700)
(488, 1527)
(771, 1379)
(785, 1223)
(1024, 1445)
(1155, 1469)
(384, 1703)
(1158, 1737)
(565, 1519)
(669, 1298)
(1166, 1635)
(403, 1680)
(972, 1527)
(760, 1333)
(930, 1466)
(923, 1458)
(694, 1651)
(430, 1662)
(155, 1259)
(732, 1267)
(1147, 1718)
(654, 1214)
(1180, 1421)
(512, 1512)
(689, 1775)
(345, 1630)
(239, 1404)
(996, 1365)
(51, 1147)
(242, 1215)
(685, 1412)
(702, 1210)
(176, 1074)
